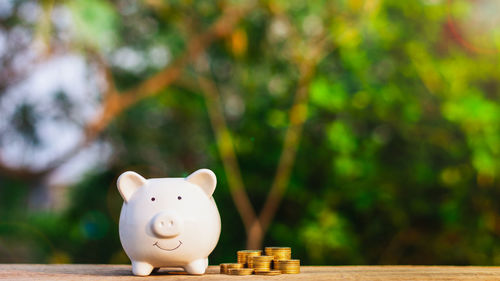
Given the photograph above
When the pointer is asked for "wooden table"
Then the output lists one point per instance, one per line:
(19, 272)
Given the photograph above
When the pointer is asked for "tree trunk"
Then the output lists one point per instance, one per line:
(255, 237)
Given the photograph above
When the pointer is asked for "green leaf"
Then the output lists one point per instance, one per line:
(328, 95)
(96, 23)
(341, 138)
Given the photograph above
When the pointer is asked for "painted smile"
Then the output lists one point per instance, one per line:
(157, 245)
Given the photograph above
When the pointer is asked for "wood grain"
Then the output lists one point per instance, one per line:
(123, 272)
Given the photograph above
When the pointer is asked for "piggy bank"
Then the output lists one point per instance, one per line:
(168, 222)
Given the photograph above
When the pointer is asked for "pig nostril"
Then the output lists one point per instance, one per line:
(165, 225)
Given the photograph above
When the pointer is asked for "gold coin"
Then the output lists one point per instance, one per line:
(240, 271)
(294, 267)
(244, 254)
(280, 267)
(279, 253)
(262, 266)
(288, 261)
(287, 266)
(290, 271)
(261, 263)
(253, 261)
(278, 249)
(261, 258)
(225, 266)
(267, 272)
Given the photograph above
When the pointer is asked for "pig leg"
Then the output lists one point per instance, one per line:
(197, 266)
(141, 268)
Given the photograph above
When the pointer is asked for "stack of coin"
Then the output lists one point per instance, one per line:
(244, 254)
(287, 266)
(240, 271)
(276, 261)
(260, 263)
(224, 267)
(279, 253)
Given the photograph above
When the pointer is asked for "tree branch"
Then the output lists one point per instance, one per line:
(256, 227)
(297, 118)
(115, 102)
(221, 28)
(226, 151)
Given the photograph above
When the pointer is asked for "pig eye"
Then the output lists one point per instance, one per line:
(179, 198)
(153, 199)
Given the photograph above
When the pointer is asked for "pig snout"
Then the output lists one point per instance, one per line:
(167, 225)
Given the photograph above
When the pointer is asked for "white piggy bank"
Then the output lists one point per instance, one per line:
(169, 222)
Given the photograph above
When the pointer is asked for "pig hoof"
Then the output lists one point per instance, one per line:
(141, 268)
(197, 266)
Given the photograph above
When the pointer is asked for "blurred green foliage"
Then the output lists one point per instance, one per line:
(399, 159)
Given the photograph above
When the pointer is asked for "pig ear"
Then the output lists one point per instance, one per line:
(128, 183)
(205, 179)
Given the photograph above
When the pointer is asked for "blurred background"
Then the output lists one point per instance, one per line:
(354, 131)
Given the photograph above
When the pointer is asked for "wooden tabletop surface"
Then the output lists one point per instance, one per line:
(123, 272)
